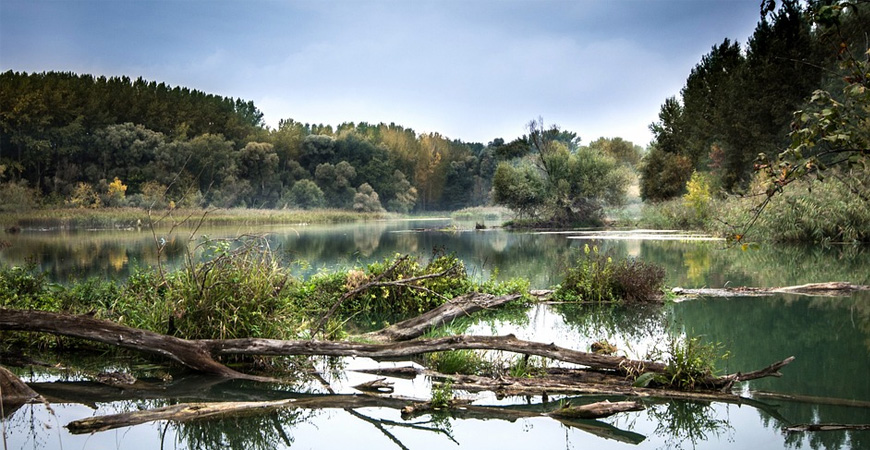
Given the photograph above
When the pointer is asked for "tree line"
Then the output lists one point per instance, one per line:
(80, 140)
(738, 104)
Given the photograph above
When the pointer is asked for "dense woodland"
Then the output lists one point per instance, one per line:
(740, 101)
(91, 141)
(86, 141)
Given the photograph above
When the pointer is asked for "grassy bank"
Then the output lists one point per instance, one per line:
(109, 218)
(808, 211)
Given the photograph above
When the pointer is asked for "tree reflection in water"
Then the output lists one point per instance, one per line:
(681, 423)
(253, 432)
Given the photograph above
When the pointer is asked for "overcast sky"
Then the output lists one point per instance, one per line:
(472, 70)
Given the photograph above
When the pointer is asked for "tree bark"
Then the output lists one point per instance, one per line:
(13, 392)
(189, 353)
(458, 307)
(194, 411)
(596, 410)
(271, 347)
(830, 289)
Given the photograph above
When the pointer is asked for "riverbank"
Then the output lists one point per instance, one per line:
(123, 218)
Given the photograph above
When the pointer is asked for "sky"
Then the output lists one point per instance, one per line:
(473, 70)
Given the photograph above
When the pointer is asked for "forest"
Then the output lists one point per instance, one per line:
(86, 141)
(749, 121)
(740, 102)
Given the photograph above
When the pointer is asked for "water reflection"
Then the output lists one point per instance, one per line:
(541, 258)
(687, 424)
(829, 336)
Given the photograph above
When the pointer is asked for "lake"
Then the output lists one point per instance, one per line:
(830, 338)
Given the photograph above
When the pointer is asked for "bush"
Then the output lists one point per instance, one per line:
(236, 293)
(26, 288)
(17, 197)
(835, 210)
(638, 281)
(411, 297)
(598, 278)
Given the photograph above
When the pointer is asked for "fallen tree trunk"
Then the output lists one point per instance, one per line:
(13, 392)
(197, 354)
(189, 353)
(830, 289)
(458, 307)
(509, 343)
(574, 382)
(596, 410)
(185, 412)
(804, 427)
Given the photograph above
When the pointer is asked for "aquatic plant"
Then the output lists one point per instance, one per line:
(465, 362)
(596, 277)
(442, 395)
(690, 363)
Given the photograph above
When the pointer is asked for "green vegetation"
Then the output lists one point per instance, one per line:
(442, 395)
(464, 362)
(90, 142)
(826, 211)
(240, 289)
(551, 181)
(690, 362)
(111, 218)
(791, 105)
(596, 277)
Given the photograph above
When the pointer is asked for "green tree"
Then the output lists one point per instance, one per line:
(366, 199)
(258, 164)
(619, 149)
(305, 195)
(335, 182)
(520, 187)
(559, 183)
(406, 195)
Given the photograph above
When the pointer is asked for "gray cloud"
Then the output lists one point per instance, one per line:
(472, 70)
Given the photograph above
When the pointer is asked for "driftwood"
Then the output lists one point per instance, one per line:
(596, 410)
(406, 372)
(804, 427)
(831, 289)
(410, 408)
(189, 353)
(379, 386)
(197, 354)
(13, 392)
(458, 307)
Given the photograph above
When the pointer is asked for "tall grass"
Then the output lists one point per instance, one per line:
(108, 218)
(242, 290)
(810, 211)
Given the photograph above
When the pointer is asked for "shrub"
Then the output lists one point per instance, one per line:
(414, 297)
(638, 281)
(598, 278)
(691, 361)
(236, 293)
(26, 288)
(17, 197)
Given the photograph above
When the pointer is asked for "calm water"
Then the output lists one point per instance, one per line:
(829, 336)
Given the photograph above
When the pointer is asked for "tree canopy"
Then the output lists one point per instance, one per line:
(557, 182)
(738, 102)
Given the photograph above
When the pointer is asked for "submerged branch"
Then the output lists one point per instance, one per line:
(830, 289)
(198, 354)
(805, 427)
